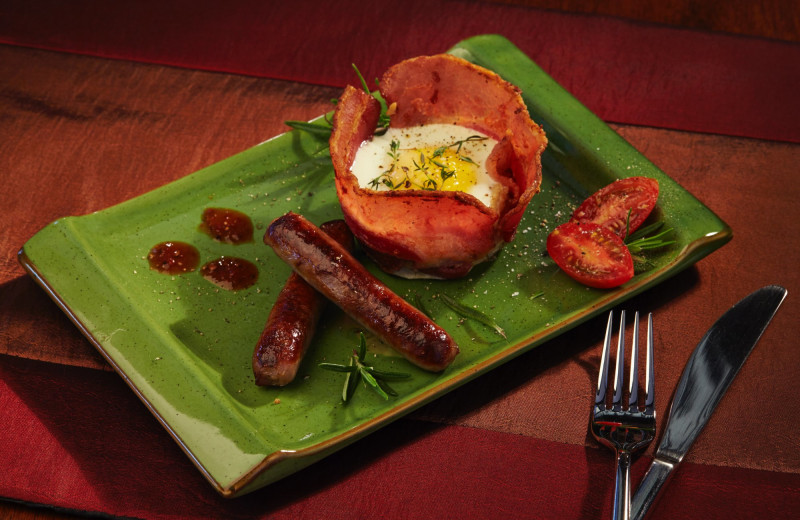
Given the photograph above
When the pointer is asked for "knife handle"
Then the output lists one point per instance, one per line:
(653, 482)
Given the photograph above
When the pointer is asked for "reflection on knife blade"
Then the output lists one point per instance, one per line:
(709, 372)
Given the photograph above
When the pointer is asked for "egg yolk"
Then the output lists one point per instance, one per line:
(429, 157)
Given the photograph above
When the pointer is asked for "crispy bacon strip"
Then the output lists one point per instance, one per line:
(334, 272)
(292, 322)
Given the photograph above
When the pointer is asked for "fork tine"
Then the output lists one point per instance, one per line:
(649, 376)
(633, 381)
(602, 380)
(618, 374)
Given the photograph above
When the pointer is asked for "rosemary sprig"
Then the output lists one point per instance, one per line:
(473, 314)
(361, 79)
(640, 241)
(324, 130)
(357, 370)
(420, 305)
(383, 118)
(653, 242)
(642, 232)
(317, 129)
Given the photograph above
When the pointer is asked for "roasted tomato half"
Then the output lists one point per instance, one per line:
(434, 200)
(621, 206)
(591, 254)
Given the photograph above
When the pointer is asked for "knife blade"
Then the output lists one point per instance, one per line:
(709, 372)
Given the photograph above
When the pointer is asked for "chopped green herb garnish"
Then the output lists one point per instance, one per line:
(435, 171)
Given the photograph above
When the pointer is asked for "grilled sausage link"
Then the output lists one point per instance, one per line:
(292, 322)
(334, 272)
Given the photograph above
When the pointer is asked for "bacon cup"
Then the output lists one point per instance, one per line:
(426, 226)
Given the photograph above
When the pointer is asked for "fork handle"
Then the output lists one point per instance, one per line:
(622, 488)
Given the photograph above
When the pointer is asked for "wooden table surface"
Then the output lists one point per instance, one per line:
(774, 19)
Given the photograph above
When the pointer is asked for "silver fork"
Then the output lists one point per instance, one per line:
(625, 430)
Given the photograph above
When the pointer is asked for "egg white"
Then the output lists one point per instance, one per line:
(377, 156)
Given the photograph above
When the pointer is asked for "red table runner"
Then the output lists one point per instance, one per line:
(77, 462)
(625, 72)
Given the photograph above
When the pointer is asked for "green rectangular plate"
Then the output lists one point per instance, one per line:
(185, 346)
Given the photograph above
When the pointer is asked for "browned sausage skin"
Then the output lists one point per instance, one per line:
(334, 272)
(292, 322)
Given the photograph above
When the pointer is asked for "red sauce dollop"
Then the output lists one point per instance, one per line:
(173, 257)
(230, 273)
(227, 225)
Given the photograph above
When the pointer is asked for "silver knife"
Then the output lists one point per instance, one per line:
(712, 366)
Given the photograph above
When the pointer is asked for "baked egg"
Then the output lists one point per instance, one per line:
(432, 157)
